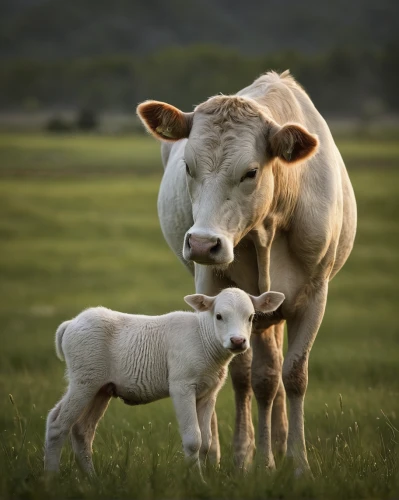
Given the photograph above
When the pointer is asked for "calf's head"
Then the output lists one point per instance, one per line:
(231, 147)
(232, 314)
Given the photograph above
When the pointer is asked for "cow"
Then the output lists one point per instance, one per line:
(255, 195)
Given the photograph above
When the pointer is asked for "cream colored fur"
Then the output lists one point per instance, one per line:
(290, 228)
(145, 358)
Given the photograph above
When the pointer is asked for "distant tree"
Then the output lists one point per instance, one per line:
(57, 124)
(339, 81)
(87, 120)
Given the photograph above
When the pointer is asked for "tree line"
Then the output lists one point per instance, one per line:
(342, 82)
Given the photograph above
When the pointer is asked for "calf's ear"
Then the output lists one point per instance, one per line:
(164, 121)
(267, 302)
(292, 143)
(199, 302)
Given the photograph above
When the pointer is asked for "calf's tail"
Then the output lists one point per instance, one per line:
(58, 339)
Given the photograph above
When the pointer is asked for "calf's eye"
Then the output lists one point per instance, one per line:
(218, 316)
(251, 174)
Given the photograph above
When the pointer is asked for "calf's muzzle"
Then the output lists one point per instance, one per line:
(238, 343)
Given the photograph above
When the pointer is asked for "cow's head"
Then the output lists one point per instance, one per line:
(229, 156)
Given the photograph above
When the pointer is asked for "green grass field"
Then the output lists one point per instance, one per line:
(79, 228)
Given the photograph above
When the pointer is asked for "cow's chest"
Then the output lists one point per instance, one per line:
(286, 272)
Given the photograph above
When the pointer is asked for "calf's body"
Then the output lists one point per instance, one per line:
(143, 359)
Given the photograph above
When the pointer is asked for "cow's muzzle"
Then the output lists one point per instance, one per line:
(208, 249)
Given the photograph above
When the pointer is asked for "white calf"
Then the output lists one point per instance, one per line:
(145, 358)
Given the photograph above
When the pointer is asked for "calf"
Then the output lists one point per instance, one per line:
(145, 358)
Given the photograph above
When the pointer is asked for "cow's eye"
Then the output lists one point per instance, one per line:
(251, 174)
(187, 169)
(218, 316)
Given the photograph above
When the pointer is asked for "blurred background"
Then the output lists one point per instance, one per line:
(78, 224)
(59, 58)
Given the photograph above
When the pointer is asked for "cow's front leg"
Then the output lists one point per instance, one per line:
(266, 375)
(302, 330)
(279, 413)
(214, 450)
(244, 434)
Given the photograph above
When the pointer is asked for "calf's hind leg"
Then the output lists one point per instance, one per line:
(83, 431)
(59, 423)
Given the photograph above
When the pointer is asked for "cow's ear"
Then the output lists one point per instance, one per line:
(292, 143)
(164, 121)
(199, 302)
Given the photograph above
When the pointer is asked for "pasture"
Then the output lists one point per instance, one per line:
(79, 228)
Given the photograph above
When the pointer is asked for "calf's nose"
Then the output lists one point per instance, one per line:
(238, 341)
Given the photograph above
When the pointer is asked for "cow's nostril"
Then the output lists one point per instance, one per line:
(216, 247)
(188, 240)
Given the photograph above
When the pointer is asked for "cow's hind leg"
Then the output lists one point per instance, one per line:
(83, 431)
(279, 412)
(266, 376)
(302, 330)
(244, 441)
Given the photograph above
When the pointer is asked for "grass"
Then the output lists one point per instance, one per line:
(82, 154)
(72, 241)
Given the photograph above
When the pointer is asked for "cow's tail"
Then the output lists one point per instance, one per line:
(58, 339)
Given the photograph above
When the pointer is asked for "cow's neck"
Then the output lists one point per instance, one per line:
(287, 182)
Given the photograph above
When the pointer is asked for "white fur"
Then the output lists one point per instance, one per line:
(291, 228)
(145, 358)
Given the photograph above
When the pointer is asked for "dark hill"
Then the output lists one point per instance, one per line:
(44, 29)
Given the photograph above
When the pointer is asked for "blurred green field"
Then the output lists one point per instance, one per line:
(74, 234)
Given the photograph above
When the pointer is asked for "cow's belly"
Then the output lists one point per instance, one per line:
(286, 273)
(349, 221)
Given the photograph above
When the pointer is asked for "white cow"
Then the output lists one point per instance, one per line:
(145, 358)
(255, 195)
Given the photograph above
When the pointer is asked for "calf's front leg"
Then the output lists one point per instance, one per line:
(205, 413)
(184, 402)
(302, 330)
(210, 283)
